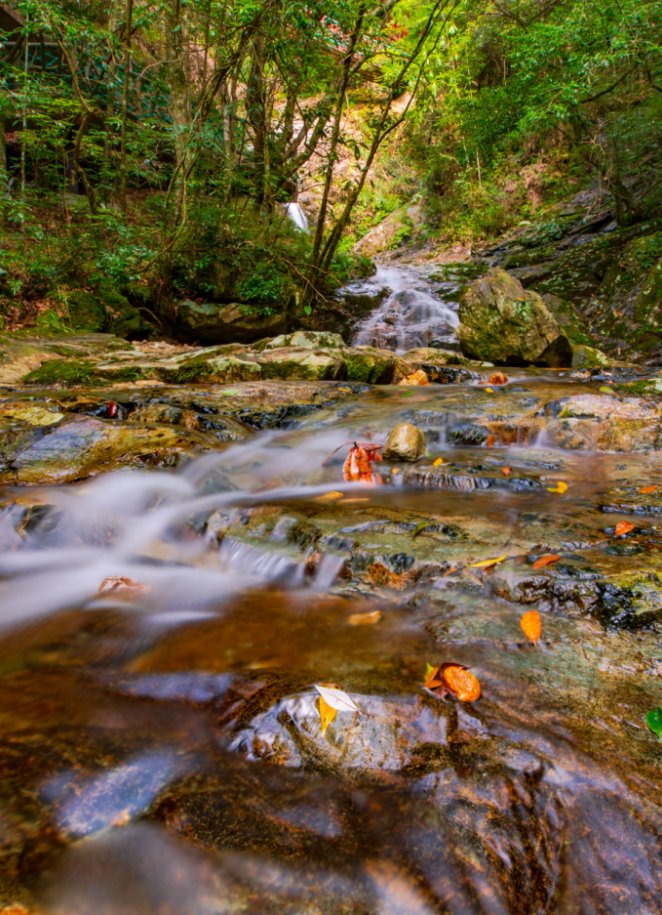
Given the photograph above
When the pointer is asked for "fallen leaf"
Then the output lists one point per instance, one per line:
(490, 440)
(394, 471)
(560, 487)
(461, 682)
(546, 560)
(432, 679)
(531, 625)
(487, 563)
(372, 449)
(365, 619)
(498, 378)
(337, 699)
(506, 471)
(416, 378)
(329, 497)
(327, 713)
(623, 527)
(647, 490)
(438, 462)
(654, 721)
(489, 390)
(420, 527)
(357, 467)
(122, 587)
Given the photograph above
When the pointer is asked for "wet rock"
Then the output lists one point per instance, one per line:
(605, 423)
(466, 433)
(370, 365)
(508, 325)
(302, 364)
(209, 322)
(305, 339)
(587, 357)
(405, 442)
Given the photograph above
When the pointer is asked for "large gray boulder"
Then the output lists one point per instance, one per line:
(210, 323)
(503, 323)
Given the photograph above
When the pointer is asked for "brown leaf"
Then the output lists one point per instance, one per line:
(365, 619)
(623, 527)
(531, 625)
(461, 682)
(546, 560)
(498, 378)
(122, 587)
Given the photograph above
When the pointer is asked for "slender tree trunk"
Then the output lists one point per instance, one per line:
(126, 88)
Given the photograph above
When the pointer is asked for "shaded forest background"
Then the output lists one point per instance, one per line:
(151, 148)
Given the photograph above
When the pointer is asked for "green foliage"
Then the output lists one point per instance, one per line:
(62, 371)
(654, 721)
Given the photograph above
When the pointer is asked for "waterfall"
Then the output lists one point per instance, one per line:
(296, 215)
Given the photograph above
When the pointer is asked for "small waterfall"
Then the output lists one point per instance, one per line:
(414, 312)
(297, 216)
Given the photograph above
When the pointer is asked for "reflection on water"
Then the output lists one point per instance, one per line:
(164, 753)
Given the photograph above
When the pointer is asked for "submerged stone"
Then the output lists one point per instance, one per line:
(405, 442)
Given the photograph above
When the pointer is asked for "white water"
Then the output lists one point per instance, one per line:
(413, 313)
(296, 215)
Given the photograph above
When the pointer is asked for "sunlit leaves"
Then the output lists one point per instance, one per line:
(654, 721)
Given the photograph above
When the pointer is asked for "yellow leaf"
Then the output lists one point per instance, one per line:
(329, 497)
(560, 487)
(438, 462)
(365, 619)
(489, 390)
(486, 563)
(395, 470)
(431, 677)
(327, 713)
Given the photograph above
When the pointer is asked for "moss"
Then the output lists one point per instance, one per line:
(368, 368)
(62, 371)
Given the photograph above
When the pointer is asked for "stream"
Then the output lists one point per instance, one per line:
(162, 748)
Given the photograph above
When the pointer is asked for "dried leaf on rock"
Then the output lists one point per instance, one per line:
(122, 587)
(546, 560)
(337, 699)
(622, 528)
(416, 378)
(506, 471)
(498, 378)
(357, 467)
(461, 682)
(531, 625)
(648, 490)
(438, 462)
(365, 619)
(490, 440)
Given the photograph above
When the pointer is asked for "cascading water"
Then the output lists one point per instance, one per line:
(297, 216)
(415, 309)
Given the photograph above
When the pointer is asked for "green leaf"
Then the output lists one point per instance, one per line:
(654, 721)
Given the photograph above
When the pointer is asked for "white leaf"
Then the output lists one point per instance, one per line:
(337, 699)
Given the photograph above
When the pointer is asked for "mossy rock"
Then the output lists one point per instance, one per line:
(370, 366)
(62, 371)
(503, 323)
(587, 357)
(86, 311)
(631, 601)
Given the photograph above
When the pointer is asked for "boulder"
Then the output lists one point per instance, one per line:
(508, 325)
(587, 357)
(209, 322)
(305, 339)
(405, 442)
(292, 363)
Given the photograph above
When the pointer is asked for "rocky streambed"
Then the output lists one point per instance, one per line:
(162, 744)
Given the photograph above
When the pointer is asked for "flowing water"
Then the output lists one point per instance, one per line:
(416, 309)
(162, 748)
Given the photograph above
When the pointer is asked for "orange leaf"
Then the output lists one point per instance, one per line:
(623, 527)
(431, 677)
(438, 462)
(506, 471)
(121, 587)
(357, 465)
(417, 377)
(546, 560)
(647, 490)
(531, 625)
(365, 619)
(498, 378)
(461, 682)
(327, 714)
(490, 440)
